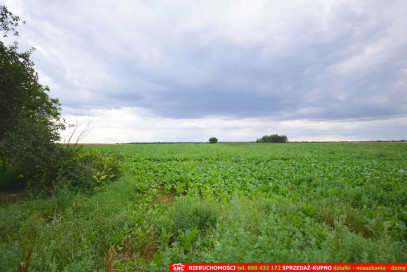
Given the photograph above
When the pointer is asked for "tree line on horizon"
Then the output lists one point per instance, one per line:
(274, 138)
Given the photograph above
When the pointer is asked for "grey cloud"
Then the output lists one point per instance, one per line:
(339, 60)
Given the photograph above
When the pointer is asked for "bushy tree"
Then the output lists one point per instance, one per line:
(29, 119)
(213, 140)
(274, 138)
(30, 122)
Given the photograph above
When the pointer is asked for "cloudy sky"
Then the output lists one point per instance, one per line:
(186, 70)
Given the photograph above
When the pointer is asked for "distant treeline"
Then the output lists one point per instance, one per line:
(261, 140)
(274, 138)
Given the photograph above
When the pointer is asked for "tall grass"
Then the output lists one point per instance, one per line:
(66, 232)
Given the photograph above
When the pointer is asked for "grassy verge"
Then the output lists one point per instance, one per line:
(66, 232)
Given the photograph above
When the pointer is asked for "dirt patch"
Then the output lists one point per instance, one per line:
(165, 196)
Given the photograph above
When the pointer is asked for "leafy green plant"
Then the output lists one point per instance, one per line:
(84, 169)
(189, 213)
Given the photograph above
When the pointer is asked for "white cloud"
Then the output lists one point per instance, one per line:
(139, 125)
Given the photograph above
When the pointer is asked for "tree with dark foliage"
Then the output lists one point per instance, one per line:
(275, 138)
(29, 119)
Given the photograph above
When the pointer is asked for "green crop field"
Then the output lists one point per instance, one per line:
(296, 202)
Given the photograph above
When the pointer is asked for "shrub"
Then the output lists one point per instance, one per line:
(83, 169)
(74, 168)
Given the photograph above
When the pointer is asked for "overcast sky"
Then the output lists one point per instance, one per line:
(237, 70)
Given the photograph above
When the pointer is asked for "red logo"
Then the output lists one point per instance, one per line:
(178, 267)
